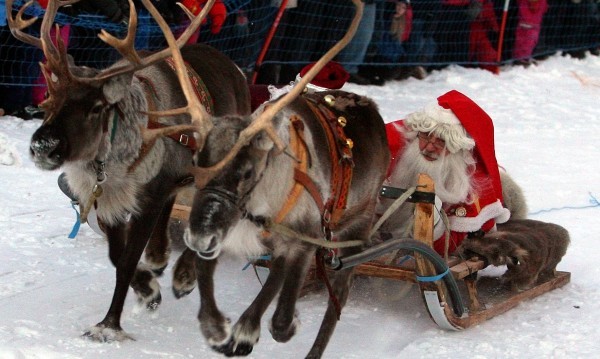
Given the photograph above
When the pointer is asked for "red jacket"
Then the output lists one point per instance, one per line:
(217, 13)
(483, 214)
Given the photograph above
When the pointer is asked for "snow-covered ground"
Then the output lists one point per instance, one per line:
(547, 123)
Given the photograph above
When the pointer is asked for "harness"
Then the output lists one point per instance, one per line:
(185, 139)
(340, 153)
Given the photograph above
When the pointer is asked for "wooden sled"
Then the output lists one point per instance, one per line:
(484, 297)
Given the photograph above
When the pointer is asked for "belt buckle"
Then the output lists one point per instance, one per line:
(184, 139)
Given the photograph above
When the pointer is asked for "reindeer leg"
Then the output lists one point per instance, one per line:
(340, 282)
(125, 250)
(213, 324)
(184, 274)
(158, 249)
(144, 281)
(341, 286)
(285, 319)
(246, 331)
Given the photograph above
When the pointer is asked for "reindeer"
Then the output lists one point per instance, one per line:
(298, 167)
(97, 129)
(530, 249)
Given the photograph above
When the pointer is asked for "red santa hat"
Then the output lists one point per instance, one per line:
(480, 127)
(463, 125)
(331, 77)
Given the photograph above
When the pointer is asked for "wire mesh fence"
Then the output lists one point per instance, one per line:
(393, 35)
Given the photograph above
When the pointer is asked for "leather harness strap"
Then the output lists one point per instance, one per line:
(340, 151)
(298, 146)
(200, 88)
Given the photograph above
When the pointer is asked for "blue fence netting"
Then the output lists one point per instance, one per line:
(439, 33)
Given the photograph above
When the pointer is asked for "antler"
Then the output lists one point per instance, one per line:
(199, 115)
(263, 122)
(57, 57)
(126, 46)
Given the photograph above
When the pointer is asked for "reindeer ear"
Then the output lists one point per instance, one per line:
(115, 87)
(262, 141)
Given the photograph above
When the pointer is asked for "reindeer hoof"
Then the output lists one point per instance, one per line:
(180, 293)
(154, 303)
(231, 348)
(281, 334)
(159, 271)
(103, 334)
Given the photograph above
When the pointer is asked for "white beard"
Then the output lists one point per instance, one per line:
(450, 173)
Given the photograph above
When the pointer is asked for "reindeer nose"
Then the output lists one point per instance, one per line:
(45, 152)
(199, 243)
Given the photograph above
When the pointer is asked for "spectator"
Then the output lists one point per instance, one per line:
(452, 35)
(116, 11)
(451, 140)
(480, 47)
(391, 44)
(217, 15)
(531, 13)
(421, 46)
(306, 31)
(354, 53)
(18, 66)
(398, 32)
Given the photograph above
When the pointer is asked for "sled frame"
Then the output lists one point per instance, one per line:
(485, 297)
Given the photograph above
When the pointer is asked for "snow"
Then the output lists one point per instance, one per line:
(53, 288)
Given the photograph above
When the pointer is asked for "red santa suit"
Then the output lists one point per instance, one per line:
(482, 210)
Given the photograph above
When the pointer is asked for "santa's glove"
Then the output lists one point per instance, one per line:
(218, 13)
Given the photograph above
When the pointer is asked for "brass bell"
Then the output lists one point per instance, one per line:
(330, 100)
(342, 121)
(349, 143)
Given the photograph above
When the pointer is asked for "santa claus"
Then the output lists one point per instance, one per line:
(451, 140)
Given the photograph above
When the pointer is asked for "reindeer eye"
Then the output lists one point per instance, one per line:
(96, 110)
(247, 174)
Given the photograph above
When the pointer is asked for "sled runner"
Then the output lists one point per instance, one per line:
(455, 294)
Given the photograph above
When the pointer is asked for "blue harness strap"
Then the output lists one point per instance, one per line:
(266, 257)
(77, 224)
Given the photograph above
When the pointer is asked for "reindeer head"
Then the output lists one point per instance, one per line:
(83, 101)
(235, 154)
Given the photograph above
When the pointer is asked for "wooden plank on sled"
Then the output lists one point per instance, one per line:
(499, 299)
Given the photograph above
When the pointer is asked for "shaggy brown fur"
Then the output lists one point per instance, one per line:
(513, 196)
(530, 249)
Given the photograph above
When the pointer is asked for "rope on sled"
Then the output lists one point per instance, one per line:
(593, 200)
(391, 209)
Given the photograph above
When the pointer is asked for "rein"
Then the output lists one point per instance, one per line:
(340, 153)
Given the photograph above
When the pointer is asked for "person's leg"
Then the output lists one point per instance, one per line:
(354, 53)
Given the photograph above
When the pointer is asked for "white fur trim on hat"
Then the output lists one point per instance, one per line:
(444, 124)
